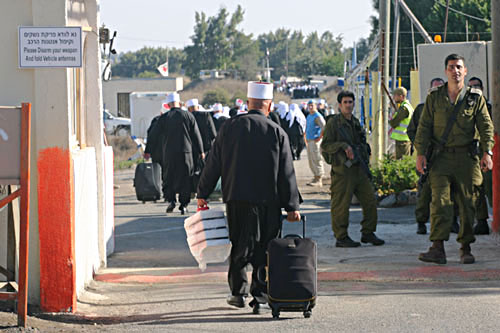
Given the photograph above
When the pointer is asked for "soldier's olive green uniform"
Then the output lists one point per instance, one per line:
(454, 167)
(347, 181)
(485, 190)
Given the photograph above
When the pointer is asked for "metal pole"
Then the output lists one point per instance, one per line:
(395, 42)
(413, 44)
(466, 30)
(446, 20)
(415, 21)
(385, 14)
(287, 56)
(495, 27)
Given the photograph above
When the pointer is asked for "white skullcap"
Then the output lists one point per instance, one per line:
(321, 101)
(260, 90)
(238, 102)
(173, 97)
(192, 102)
(217, 107)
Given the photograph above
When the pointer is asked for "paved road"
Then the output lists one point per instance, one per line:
(152, 282)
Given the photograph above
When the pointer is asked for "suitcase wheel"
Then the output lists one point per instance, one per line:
(276, 314)
(155, 201)
(307, 314)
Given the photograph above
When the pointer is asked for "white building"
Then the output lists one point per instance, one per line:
(71, 210)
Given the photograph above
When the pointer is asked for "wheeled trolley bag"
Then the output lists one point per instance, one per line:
(291, 273)
(147, 182)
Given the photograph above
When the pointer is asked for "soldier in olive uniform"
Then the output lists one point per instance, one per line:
(344, 147)
(482, 214)
(454, 167)
(399, 123)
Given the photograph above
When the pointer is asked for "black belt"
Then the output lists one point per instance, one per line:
(461, 149)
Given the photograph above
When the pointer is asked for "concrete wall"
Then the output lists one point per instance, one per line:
(86, 219)
(68, 197)
(115, 86)
(431, 63)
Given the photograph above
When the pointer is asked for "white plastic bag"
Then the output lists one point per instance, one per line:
(208, 237)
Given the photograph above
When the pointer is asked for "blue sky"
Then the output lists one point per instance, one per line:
(170, 23)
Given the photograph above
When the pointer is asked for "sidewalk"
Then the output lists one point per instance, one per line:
(153, 280)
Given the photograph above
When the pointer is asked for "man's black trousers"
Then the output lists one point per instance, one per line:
(251, 227)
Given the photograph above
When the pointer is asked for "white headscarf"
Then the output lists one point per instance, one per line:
(282, 109)
(296, 113)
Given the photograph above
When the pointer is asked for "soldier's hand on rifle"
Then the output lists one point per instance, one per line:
(349, 152)
(486, 162)
(421, 163)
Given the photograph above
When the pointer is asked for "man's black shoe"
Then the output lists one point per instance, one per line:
(455, 227)
(171, 207)
(481, 228)
(236, 300)
(347, 242)
(371, 238)
(183, 209)
(259, 308)
(421, 229)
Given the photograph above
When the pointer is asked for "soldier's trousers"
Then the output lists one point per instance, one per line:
(462, 173)
(251, 227)
(403, 148)
(423, 206)
(351, 181)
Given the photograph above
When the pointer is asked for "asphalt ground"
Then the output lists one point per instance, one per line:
(152, 283)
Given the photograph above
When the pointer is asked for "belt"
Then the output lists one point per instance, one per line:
(461, 149)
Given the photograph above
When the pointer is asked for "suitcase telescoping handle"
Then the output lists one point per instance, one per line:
(302, 219)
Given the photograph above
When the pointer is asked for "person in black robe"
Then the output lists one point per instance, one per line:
(218, 117)
(178, 134)
(252, 155)
(296, 126)
(155, 151)
(206, 126)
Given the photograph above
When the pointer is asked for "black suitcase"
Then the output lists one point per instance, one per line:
(147, 182)
(291, 273)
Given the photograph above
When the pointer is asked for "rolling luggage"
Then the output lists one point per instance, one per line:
(147, 182)
(291, 274)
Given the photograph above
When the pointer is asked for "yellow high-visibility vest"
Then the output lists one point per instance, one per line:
(399, 133)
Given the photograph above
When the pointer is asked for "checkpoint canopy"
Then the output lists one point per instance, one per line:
(10, 145)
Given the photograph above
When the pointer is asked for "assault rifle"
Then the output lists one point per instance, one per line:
(358, 154)
(428, 157)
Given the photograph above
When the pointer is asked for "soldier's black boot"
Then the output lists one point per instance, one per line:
(347, 242)
(466, 256)
(481, 227)
(421, 228)
(371, 238)
(455, 227)
(435, 254)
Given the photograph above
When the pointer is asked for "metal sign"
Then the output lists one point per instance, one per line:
(10, 145)
(50, 47)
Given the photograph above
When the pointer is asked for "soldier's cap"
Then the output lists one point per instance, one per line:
(260, 90)
(173, 97)
(192, 102)
(401, 91)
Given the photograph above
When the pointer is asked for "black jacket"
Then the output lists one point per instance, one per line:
(252, 155)
(207, 128)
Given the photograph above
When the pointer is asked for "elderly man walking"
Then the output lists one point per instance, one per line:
(177, 133)
(252, 155)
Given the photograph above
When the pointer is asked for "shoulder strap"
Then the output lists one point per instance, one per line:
(449, 123)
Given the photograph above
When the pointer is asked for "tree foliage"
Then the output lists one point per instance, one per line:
(431, 13)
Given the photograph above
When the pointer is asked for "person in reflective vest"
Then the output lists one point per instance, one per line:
(400, 122)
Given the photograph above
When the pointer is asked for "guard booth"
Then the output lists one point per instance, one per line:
(51, 58)
(15, 136)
